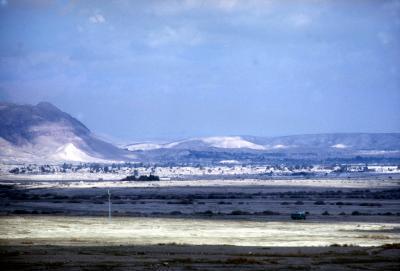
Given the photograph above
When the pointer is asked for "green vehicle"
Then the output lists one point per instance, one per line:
(298, 216)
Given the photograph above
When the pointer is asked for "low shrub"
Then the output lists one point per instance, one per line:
(175, 213)
(238, 212)
(267, 212)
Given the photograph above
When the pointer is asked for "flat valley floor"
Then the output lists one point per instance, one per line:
(200, 225)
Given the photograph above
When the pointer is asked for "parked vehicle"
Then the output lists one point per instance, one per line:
(298, 216)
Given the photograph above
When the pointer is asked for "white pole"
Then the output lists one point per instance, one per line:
(109, 205)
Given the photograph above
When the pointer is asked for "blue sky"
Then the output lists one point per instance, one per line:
(133, 70)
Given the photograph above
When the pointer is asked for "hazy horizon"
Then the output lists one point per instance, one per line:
(167, 70)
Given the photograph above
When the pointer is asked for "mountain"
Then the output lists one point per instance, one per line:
(349, 141)
(222, 142)
(343, 141)
(43, 133)
(250, 149)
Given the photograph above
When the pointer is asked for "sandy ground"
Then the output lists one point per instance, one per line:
(49, 182)
(176, 257)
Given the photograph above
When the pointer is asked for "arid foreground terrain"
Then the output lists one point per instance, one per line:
(200, 225)
(184, 257)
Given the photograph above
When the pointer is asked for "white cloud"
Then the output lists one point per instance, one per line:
(339, 146)
(3, 3)
(300, 20)
(227, 4)
(80, 29)
(173, 7)
(384, 38)
(169, 35)
(97, 19)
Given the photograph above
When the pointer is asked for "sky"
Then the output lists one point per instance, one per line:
(140, 70)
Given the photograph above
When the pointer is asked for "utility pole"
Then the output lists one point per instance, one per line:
(109, 206)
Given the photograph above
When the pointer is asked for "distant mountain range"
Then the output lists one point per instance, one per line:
(43, 133)
(332, 142)
(352, 147)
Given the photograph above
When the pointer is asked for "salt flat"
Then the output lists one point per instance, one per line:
(61, 230)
